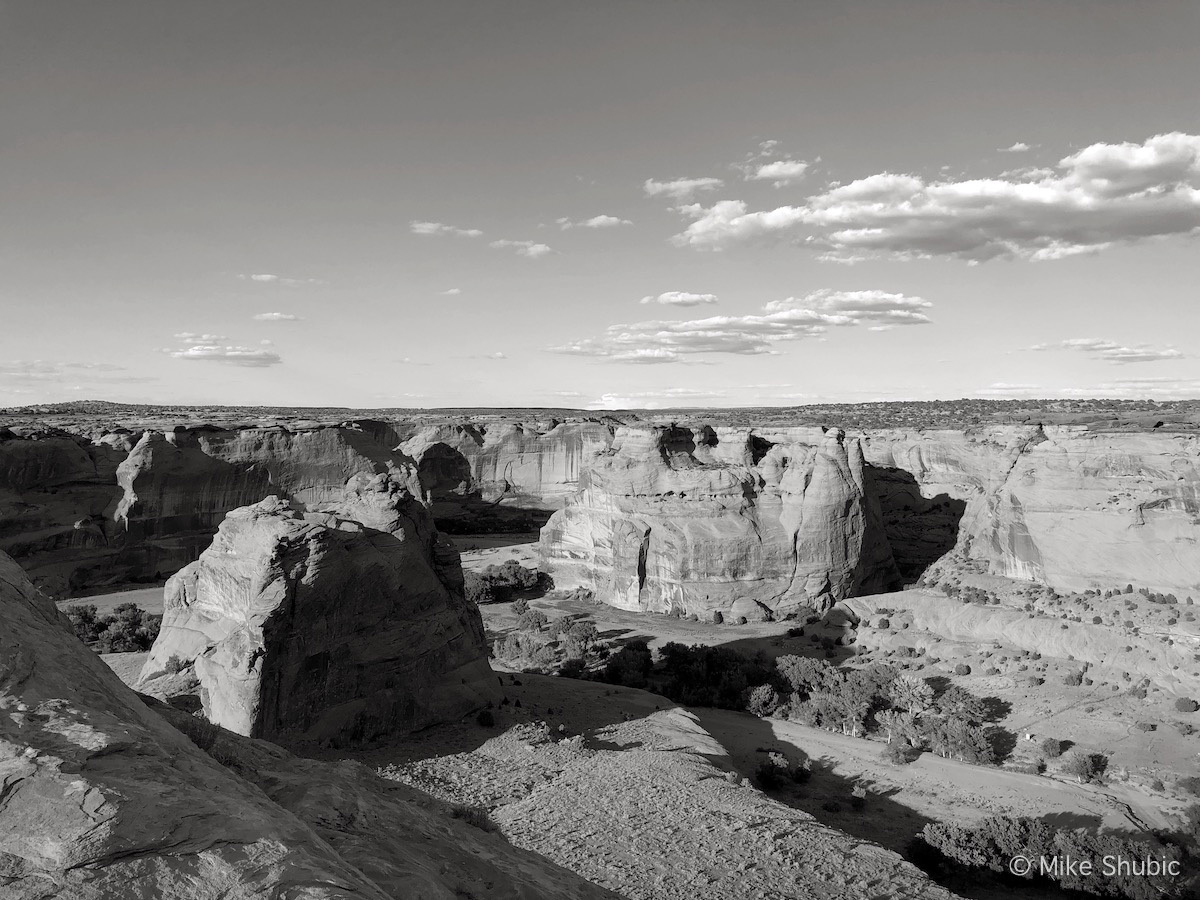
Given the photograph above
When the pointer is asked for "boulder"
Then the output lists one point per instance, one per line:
(340, 625)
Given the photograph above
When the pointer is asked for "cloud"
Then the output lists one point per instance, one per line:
(251, 357)
(879, 307)
(680, 298)
(531, 249)
(1106, 194)
(1018, 147)
(437, 228)
(680, 188)
(600, 221)
(41, 371)
(276, 317)
(199, 338)
(451, 292)
(660, 342)
(782, 172)
(267, 278)
(667, 397)
(496, 355)
(1112, 351)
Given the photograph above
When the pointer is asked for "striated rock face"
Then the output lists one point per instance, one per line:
(102, 798)
(343, 624)
(1066, 506)
(665, 523)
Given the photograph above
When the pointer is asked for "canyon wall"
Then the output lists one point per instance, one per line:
(1068, 505)
(749, 522)
(84, 511)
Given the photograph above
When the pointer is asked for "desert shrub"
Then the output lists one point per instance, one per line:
(768, 776)
(485, 719)
(585, 632)
(1073, 679)
(128, 630)
(1085, 767)
(511, 577)
(175, 665)
(742, 620)
(476, 816)
(962, 669)
(1052, 748)
(884, 624)
(718, 617)
(572, 668)
(711, 676)
(532, 620)
(1147, 726)
(630, 666)
(1189, 785)
(84, 621)
(521, 606)
(1186, 705)
(994, 842)
(207, 736)
(762, 700)
(478, 589)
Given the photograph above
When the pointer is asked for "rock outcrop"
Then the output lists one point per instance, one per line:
(663, 523)
(339, 625)
(100, 798)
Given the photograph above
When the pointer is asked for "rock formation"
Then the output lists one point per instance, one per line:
(655, 527)
(1072, 505)
(338, 625)
(100, 798)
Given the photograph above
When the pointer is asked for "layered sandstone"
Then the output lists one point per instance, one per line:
(665, 523)
(339, 625)
(103, 798)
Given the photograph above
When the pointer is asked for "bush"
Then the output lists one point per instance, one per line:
(521, 606)
(1085, 767)
(1186, 705)
(962, 669)
(718, 617)
(1189, 785)
(1052, 748)
(762, 700)
(630, 666)
(485, 718)
(478, 589)
(128, 630)
(175, 665)
(532, 620)
(1073, 679)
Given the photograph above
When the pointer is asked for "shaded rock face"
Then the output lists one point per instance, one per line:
(664, 523)
(102, 798)
(340, 625)
(84, 511)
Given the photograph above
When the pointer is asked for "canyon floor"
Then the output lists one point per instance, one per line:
(644, 797)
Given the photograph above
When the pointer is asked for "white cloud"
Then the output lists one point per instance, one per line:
(267, 278)
(600, 221)
(252, 357)
(496, 355)
(782, 172)
(199, 338)
(1112, 351)
(880, 307)
(1103, 195)
(451, 292)
(531, 249)
(1018, 147)
(680, 298)
(1125, 389)
(660, 341)
(680, 188)
(51, 371)
(276, 317)
(437, 228)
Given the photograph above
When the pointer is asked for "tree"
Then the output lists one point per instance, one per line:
(1084, 767)
(585, 632)
(762, 701)
(803, 674)
(958, 703)
(521, 606)
(899, 725)
(532, 620)
(911, 694)
(1052, 748)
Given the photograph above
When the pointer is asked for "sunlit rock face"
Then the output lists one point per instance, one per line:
(665, 523)
(344, 624)
(1066, 506)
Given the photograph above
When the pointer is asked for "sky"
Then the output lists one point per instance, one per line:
(598, 205)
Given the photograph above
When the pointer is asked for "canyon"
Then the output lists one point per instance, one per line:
(689, 516)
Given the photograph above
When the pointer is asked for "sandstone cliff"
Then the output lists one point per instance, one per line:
(102, 798)
(323, 626)
(663, 523)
